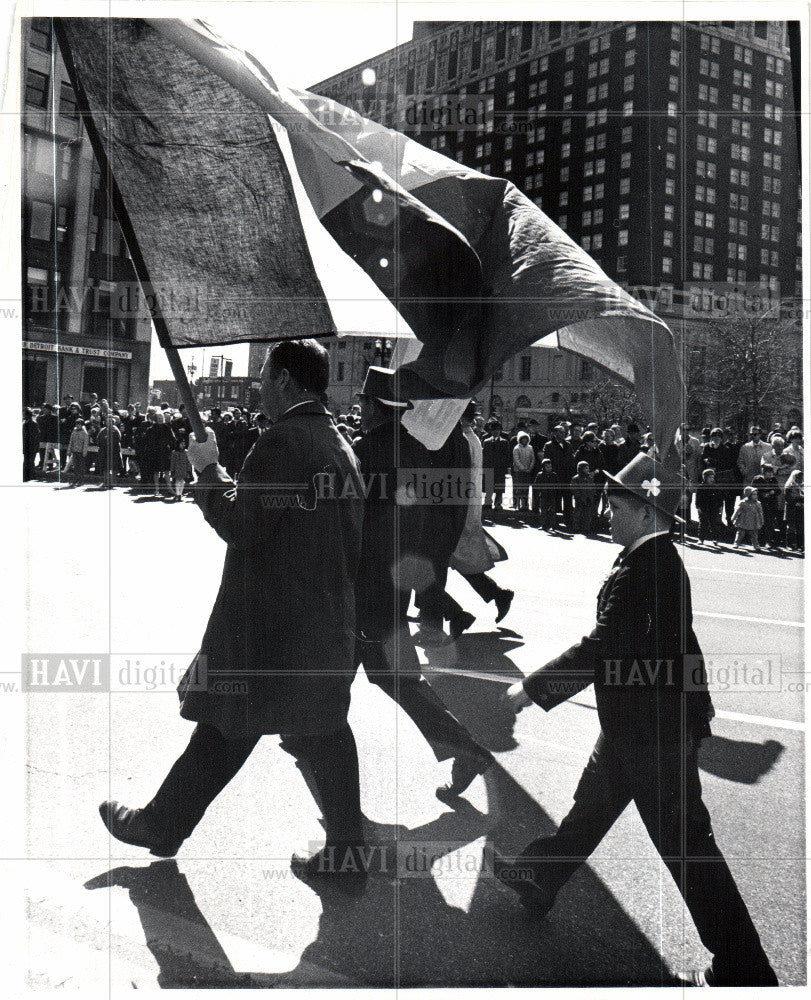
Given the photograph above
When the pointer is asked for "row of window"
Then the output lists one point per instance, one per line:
(36, 94)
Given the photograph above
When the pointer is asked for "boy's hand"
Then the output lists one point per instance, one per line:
(516, 698)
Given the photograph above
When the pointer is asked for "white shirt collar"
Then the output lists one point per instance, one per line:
(304, 402)
(645, 538)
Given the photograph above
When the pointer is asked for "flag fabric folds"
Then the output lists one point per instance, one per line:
(477, 269)
(205, 186)
(533, 279)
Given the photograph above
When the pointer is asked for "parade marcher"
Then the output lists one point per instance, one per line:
(476, 552)
(652, 722)
(277, 655)
(398, 557)
(748, 518)
(751, 454)
(496, 460)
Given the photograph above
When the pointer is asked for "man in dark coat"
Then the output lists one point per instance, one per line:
(277, 655)
(559, 450)
(398, 556)
(654, 709)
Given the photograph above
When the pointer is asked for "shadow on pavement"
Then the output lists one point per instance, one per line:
(739, 760)
(404, 932)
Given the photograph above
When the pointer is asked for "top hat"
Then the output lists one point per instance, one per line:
(379, 384)
(651, 482)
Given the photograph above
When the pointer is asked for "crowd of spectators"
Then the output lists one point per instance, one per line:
(740, 491)
(77, 442)
(557, 479)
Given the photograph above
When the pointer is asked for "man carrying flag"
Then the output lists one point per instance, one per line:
(277, 655)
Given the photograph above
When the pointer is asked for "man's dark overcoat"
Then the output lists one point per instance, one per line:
(283, 623)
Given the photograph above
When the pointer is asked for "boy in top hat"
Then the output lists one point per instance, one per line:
(654, 709)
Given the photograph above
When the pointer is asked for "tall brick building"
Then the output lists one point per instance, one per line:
(666, 149)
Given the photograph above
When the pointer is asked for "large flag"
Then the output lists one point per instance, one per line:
(477, 270)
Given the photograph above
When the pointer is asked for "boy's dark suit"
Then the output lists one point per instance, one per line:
(644, 660)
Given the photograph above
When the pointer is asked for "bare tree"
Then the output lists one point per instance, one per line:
(753, 366)
(610, 401)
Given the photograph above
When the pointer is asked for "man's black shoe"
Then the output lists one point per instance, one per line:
(131, 826)
(519, 876)
(503, 602)
(460, 623)
(465, 769)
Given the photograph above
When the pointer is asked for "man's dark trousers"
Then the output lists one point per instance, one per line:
(663, 782)
(392, 664)
(329, 762)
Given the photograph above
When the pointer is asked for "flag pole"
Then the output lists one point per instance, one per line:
(122, 216)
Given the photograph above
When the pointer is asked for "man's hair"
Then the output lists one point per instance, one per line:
(306, 360)
(633, 428)
(470, 410)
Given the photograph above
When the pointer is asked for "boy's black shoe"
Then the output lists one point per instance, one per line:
(519, 876)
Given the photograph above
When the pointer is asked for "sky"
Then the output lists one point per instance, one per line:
(281, 35)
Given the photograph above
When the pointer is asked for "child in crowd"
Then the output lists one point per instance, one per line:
(77, 452)
(179, 467)
(793, 513)
(545, 494)
(523, 464)
(768, 489)
(709, 502)
(585, 495)
(748, 518)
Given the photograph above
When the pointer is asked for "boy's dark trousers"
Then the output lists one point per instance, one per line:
(662, 780)
(709, 526)
(771, 531)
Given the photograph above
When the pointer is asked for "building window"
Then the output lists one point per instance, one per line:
(41, 221)
(622, 237)
(340, 375)
(526, 368)
(667, 238)
(630, 33)
(628, 108)
(36, 89)
(67, 102)
(629, 58)
(40, 37)
(667, 265)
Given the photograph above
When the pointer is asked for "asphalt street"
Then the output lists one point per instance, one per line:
(109, 572)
